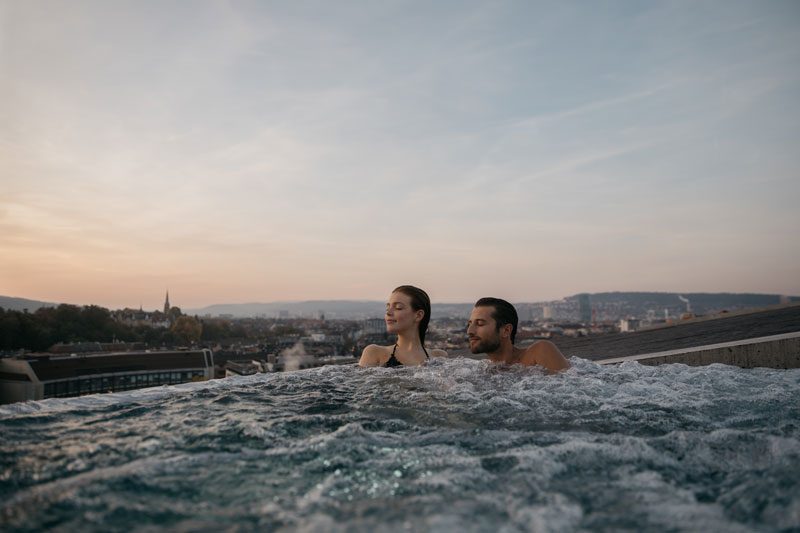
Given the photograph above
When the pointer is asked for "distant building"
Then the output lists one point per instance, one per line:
(40, 376)
(374, 326)
(95, 347)
(628, 324)
(585, 308)
(547, 312)
(240, 368)
(132, 317)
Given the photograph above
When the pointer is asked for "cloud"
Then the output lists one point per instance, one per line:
(255, 151)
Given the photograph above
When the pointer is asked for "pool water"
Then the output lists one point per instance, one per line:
(456, 445)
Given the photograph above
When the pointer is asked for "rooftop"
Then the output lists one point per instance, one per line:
(701, 331)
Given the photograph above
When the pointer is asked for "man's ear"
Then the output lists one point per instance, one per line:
(505, 331)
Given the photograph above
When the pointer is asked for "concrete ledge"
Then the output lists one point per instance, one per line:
(774, 351)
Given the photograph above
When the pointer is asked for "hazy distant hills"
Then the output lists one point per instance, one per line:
(341, 309)
(640, 304)
(633, 303)
(10, 303)
(614, 304)
(330, 308)
(700, 301)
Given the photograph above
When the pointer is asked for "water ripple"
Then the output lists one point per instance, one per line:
(456, 445)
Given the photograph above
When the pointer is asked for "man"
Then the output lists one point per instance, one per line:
(492, 328)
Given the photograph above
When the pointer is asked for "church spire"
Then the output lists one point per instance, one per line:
(166, 304)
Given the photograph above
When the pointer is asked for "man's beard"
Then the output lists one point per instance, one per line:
(486, 346)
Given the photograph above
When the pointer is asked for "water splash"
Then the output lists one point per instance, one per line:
(457, 444)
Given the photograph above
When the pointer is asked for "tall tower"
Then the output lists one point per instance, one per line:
(585, 308)
(166, 304)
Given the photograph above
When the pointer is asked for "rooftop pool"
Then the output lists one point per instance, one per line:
(456, 445)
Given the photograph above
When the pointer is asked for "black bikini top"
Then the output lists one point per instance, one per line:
(393, 360)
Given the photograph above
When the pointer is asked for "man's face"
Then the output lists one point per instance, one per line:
(482, 331)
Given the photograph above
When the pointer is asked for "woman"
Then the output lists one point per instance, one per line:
(408, 312)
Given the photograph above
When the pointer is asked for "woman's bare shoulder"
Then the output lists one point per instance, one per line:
(374, 355)
(377, 348)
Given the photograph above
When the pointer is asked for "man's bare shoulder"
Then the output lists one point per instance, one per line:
(438, 353)
(546, 354)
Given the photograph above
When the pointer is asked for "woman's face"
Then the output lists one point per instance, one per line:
(400, 316)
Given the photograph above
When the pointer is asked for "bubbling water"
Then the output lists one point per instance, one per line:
(454, 445)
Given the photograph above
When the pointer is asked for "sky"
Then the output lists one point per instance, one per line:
(235, 151)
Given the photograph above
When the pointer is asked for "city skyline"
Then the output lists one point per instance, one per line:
(239, 152)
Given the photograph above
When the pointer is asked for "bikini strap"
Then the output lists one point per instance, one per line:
(392, 361)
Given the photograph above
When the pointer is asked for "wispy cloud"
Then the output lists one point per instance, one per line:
(251, 151)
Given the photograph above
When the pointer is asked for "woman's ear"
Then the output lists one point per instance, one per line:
(420, 314)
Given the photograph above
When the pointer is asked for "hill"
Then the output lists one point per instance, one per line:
(612, 304)
(9, 303)
(640, 304)
(312, 308)
(606, 305)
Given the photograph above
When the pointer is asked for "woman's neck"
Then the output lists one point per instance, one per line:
(408, 342)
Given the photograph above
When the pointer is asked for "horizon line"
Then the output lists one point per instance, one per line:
(362, 300)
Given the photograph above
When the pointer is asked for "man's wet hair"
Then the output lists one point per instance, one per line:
(503, 313)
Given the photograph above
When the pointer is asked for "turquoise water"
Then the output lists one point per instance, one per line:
(457, 445)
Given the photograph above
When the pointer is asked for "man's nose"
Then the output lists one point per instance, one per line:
(470, 328)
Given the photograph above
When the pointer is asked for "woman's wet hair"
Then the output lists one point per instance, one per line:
(504, 313)
(419, 301)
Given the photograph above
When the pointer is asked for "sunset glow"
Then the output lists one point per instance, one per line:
(247, 151)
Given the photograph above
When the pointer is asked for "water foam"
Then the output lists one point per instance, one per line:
(458, 444)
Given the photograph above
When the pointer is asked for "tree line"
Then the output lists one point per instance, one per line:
(67, 323)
